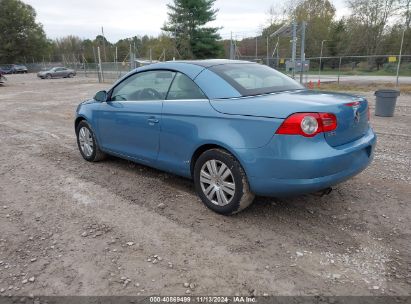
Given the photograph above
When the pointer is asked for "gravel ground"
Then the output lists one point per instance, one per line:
(68, 227)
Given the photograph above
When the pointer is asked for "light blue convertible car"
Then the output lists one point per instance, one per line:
(238, 129)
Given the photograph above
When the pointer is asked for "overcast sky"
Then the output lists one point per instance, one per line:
(127, 18)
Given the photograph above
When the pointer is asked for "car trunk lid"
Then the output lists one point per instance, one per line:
(351, 111)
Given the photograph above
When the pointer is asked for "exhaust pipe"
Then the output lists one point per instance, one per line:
(323, 192)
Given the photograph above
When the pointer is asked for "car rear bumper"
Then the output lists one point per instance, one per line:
(294, 165)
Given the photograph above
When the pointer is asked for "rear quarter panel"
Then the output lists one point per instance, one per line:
(187, 125)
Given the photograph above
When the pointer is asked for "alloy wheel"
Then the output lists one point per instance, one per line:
(217, 182)
(86, 141)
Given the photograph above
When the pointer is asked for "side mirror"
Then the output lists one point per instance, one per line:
(101, 96)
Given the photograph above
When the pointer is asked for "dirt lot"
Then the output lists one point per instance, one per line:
(68, 227)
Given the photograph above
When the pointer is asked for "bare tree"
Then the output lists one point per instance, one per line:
(405, 7)
(277, 14)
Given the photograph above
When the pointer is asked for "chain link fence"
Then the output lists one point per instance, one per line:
(342, 68)
(382, 68)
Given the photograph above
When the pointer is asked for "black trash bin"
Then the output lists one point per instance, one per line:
(385, 102)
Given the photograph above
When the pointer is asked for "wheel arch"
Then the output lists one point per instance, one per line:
(78, 120)
(209, 146)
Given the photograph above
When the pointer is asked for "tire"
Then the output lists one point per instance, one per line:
(93, 153)
(226, 200)
(70, 75)
(48, 76)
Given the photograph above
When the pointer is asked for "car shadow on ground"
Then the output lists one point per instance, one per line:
(310, 209)
(308, 220)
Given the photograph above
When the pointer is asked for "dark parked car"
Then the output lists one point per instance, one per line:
(17, 69)
(56, 72)
(2, 78)
(13, 69)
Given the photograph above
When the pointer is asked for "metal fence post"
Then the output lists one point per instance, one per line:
(100, 65)
(302, 51)
(294, 47)
(84, 65)
(339, 71)
(116, 63)
(131, 58)
(399, 58)
(256, 47)
(95, 62)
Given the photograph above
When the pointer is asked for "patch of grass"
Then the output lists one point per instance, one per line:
(362, 87)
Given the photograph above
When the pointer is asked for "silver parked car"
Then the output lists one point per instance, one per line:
(57, 72)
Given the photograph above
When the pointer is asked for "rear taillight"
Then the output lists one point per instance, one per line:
(353, 104)
(308, 124)
(329, 122)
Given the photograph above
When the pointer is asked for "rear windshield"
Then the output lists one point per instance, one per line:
(255, 79)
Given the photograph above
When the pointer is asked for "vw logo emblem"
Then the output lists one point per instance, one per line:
(357, 116)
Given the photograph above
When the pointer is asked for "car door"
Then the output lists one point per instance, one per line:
(185, 113)
(129, 123)
(63, 72)
(60, 72)
(54, 72)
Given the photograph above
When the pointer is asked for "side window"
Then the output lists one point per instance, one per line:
(152, 85)
(184, 88)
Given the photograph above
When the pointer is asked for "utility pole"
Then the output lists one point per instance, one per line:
(294, 47)
(302, 51)
(104, 44)
(399, 58)
(268, 51)
(231, 47)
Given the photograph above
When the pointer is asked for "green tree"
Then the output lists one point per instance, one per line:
(187, 25)
(319, 15)
(339, 41)
(371, 20)
(20, 36)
